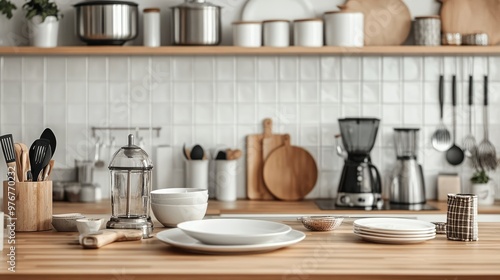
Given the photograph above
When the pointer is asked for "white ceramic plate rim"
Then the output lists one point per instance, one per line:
(247, 231)
(394, 224)
(401, 233)
(258, 10)
(179, 191)
(177, 238)
(361, 232)
(394, 240)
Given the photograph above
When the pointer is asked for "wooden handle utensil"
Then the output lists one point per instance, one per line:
(107, 236)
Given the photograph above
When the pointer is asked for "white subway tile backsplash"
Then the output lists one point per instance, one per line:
(219, 100)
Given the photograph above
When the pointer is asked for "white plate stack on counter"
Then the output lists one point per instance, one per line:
(394, 231)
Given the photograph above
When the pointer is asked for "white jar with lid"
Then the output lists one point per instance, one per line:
(344, 29)
(276, 33)
(308, 32)
(247, 34)
(151, 27)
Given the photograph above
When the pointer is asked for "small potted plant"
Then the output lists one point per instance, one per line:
(6, 8)
(482, 186)
(43, 18)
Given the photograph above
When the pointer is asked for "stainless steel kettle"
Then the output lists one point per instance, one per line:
(195, 23)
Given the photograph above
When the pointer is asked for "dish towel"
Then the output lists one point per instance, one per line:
(461, 222)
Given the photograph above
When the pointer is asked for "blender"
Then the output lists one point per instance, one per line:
(360, 184)
(407, 185)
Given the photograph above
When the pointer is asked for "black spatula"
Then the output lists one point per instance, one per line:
(9, 153)
(40, 154)
(49, 135)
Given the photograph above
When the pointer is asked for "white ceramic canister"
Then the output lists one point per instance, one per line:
(427, 31)
(485, 193)
(225, 180)
(151, 27)
(44, 34)
(344, 29)
(308, 32)
(276, 33)
(247, 34)
(197, 174)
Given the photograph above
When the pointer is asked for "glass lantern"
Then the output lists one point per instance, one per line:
(131, 175)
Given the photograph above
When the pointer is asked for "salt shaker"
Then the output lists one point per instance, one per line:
(151, 27)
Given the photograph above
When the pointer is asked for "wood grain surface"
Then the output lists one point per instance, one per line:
(466, 17)
(387, 22)
(321, 255)
(290, 172)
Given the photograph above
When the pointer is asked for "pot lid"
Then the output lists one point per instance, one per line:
(196, 4)
(130, 157)
(101, 2)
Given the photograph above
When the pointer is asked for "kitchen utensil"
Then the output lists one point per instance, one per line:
(387, 22)
(260, 10)
(408, 184)
(49, 135)
(257, 152)
(454, 155)
(221, 155)
(469, 143)
(104, 237)
(308, 32)
(186, 152)
(360, 184)
(151, 27)
(196, 22)
(106, 22)
(25, 162)
(39, 155)
(177, 238)
(486, 151)
(19, 165)
(466, 17)
(290, 172)
(131, 178)
(247, 34)
(427, 31)
(197, 153)
(234, 154)
(9, 154)
(171, 215)
(233, 231)
(66, 222)
(345, 29)
(98, 162)
(276, 33)
(321, 223)
(441, 139)
(47, 170)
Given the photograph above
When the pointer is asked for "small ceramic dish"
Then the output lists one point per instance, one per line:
(66, 222)
(321, 223)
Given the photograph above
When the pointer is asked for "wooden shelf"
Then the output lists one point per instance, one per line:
(230, 50)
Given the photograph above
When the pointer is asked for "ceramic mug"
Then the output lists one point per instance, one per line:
(485, 193)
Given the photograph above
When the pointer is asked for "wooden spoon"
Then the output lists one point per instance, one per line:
(290, 172)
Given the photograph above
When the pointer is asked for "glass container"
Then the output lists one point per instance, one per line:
(406, 142)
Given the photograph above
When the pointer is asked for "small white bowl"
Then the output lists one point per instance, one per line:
(198, 199)
(66, 222)
(171, 215)
(179, 193)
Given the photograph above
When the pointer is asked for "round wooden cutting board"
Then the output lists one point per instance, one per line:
(466, 17)
(290, 172)
(387, 22)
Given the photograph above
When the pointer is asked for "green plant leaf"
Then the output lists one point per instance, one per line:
(43, 8)
(6, 8)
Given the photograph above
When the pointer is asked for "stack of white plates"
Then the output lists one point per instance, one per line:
(394, 231)
(230, 236)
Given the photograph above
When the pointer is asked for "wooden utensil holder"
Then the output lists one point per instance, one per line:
(33, 205)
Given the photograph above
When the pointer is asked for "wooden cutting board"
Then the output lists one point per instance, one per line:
(290, 172)
(478, 16)
(259, 146)
(387, 22)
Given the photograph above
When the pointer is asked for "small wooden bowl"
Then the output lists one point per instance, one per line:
(321, 223)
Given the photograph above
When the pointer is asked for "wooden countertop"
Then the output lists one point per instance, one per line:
(322, 255)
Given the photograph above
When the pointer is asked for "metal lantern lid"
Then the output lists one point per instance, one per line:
(130, 157)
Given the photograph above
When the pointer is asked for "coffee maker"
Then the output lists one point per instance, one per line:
(407, 185)
(360, 185)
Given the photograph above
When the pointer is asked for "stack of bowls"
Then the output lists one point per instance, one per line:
(177, 205)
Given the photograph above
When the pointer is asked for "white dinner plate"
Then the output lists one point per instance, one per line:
(392, 232)
(259, 10)
(359, 231)
(233, 231)
(177, 238)
(387, 240)
(394, 225)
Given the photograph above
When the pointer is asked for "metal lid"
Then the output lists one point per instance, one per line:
(196, 4)
(88, 3)
(130, 157)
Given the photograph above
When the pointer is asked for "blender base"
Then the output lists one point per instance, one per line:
(144, 224)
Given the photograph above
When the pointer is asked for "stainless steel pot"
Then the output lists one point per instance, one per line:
(196, 22)
(106, 22)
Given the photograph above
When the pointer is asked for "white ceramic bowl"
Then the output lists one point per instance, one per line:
(234, 231)
(179, 193)
(198, 199)
(171, 215)
(66, 222)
